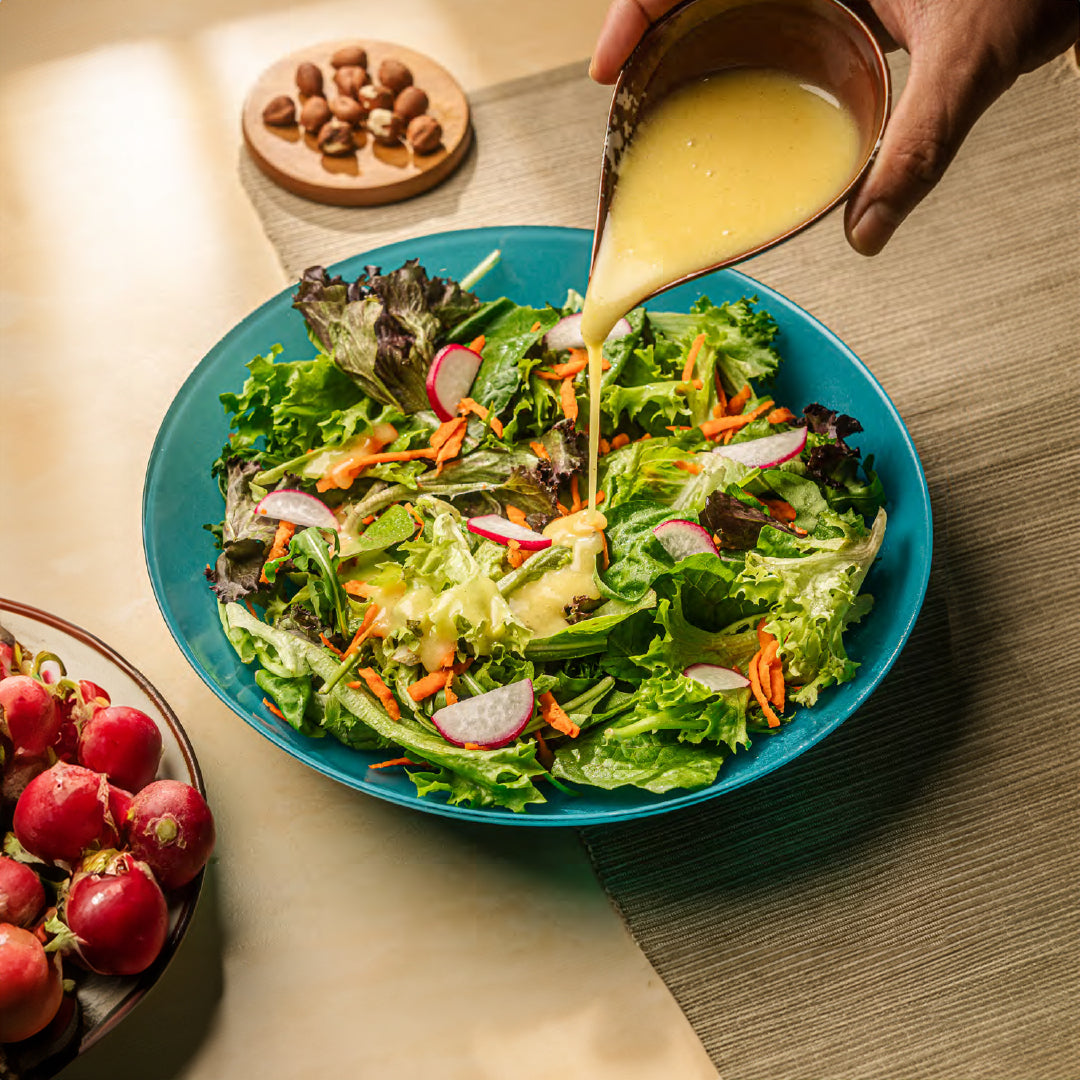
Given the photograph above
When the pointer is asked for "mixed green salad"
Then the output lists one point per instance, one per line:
(491, 664)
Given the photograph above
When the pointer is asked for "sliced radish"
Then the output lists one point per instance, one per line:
(489, 720)
(299, 507)
(494, 527)
(767, 451)
(450, 378)
(566, 333)
(716, 677)
(683, 538)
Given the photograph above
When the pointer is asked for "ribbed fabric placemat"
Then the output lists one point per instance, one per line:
(901, 901)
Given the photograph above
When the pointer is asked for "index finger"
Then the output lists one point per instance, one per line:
(624, 24)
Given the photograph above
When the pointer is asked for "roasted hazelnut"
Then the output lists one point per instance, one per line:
(314, 114)
(281, 112)
(374, 96)
(412, 101)
(309, 79)
(394, 75)
(348, 109)
(424, 134)
(349, 56)
(336, 138)
(349, 79)
(385, 127)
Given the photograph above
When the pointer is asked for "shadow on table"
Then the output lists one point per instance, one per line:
(166, 1029)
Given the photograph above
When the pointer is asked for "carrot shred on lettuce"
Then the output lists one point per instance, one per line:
(555, 716)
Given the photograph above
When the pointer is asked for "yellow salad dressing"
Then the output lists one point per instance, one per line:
(719, 167)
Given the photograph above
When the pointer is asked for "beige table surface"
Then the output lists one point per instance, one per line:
(337, 935)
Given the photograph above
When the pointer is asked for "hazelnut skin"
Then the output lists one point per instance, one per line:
(347, 109)
(314, 114)
(349, 56)
(280, 112)
(424, 134)
(385, 127)
(349, 79)
(373, 97)
(394, 75)
(412, 101)
(336, 139)
(309, 80)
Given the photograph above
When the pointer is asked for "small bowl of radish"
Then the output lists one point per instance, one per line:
(105, 831)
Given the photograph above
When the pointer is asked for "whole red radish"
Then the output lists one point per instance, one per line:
(22, 897)
(30, 984)
(119, 805)
(63, 812)
(30, 713)
(93, 695)
(170, 827)
(124, 744)
(117, 912)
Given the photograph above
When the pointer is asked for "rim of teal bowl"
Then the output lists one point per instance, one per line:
(536, 816)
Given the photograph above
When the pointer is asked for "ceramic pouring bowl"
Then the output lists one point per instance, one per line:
(818, 41)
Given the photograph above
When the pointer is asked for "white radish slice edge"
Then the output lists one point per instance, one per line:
(298, 507)
(682, 539)
(450, 378)
(494, 527)
(716, 677)
(767, 451)
(490, 720)
(566, 333)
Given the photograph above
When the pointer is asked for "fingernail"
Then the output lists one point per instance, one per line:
(871, 230)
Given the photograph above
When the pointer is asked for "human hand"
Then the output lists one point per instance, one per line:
(964, 55)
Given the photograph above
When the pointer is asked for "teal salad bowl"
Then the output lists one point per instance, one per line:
(537, 266)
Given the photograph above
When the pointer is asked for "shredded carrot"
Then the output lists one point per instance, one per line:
(368, 520)
(780, 509)
(451, 697)
(329, 644)
(600, 497)
(572, 366)
(535, 326)
(645, 437)
(540, 450)
(394, 761)
(342, 475)
(467, 405)
(472, 746)
(759, 694)
(603, 446)
(451, 447)
(697, 384)
(603, 540)
(514, 555)
(478, 343)
(777, 694)
(782, 415)
(517, 516)
(728, 436)
(462, 666)
(738, 402)
(720, 408)
(691, 467)
(381, 691)
(544, 373)
(620, 440)
(563, 511)
(768, 653)
(763, 636)
(691, 359)
(273, 708)
(757, 410)
(446, 430)
(712, 428)
(251, 608)
(554, 714)
(568, 399)
(429, 684)
(577, 504)
(359, 588)
(416, 516)
(282, 535)
(362, 631)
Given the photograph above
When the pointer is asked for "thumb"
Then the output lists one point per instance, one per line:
(943, 98)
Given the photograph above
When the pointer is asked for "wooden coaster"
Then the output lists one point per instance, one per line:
(374, 174)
